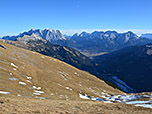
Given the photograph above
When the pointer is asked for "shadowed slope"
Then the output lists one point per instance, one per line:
(132, 65)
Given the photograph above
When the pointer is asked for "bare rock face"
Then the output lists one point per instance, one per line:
(27, 38)
(48, 34)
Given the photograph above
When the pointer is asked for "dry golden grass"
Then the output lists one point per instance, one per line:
(52, 75)
(36, 106)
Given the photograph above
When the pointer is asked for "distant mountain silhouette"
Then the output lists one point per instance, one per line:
(92, 43)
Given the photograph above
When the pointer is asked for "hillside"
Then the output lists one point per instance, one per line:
(35, 106)
(132, 65)
(29, 74)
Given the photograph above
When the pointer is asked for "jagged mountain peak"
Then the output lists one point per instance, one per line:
(106, 34)
(95, 42)
(47, 34)
(84, 34)
(26, 38)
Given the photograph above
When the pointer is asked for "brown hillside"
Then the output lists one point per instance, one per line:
(29, 74)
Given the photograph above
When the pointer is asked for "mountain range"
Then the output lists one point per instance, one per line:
(92, 43)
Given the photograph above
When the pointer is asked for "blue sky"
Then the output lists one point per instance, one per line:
(75, 15)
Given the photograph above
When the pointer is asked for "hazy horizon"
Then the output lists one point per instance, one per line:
(73, 31)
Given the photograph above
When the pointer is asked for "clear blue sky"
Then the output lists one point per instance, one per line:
(20, 15)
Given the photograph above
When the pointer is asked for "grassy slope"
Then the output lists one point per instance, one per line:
(52, 75)
(35, 106)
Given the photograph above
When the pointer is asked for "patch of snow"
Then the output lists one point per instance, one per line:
(38, 91)
(13, 78)
(125, 98)
(96, 99)
(129, 97)
(106, 35)
(38, 88)
(107, 102)
(29, 78)
(75, 108)
(67, 98)
(122, 85)
(22, 83)
(36, 94)
(59, 85)
(29, 81)
(19, 95)
(63, 77)
(41, 98)
(34, 87)
(3, 92)
(14, 69)
(144, 105)
(103, 96)
(52, 94)
(84, 96)
(68, 88)
(12, 64)
(137, 102)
